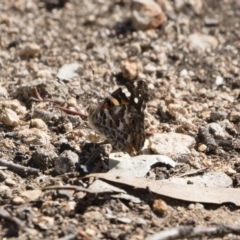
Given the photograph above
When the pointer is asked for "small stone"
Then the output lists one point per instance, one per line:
(219, 81)
(218, 115)
(129, 69)
(90, 232)
(4, 188)
(68, 127)
(199, 42)
(211, 21)
(202, 148)
(31, 195)
(147, 14)
(44, 158)
(44, 73)
(10, 182)
(2, 176)
(22, 74)
(124, 220)
(199, 206)
(44, 222)
(218, 131)
(184, 73)
(171, 144)
(191, 206)
(18, 201)
(72, 102)
(9, 117)
(160, 206)
(83, 57)
(30, 51)
(175, 110)
(7, 143)
(3, 92)
(66, 162)
(14, 105)
(34, 136)
(234, 116)
(38, 123)
(68, 72)
(140, 221)
(149, 68)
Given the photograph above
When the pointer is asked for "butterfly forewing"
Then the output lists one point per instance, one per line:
(120, 118)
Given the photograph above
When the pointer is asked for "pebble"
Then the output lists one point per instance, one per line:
(68, 72)
(171, 143)
(200, 42)
(14, 105)
(234, 116)
(129, 69)
(218, 115)
(18, 201)
(10, 182)
(218, 131)
(160, 206)
(147, 14)
(38, 123)
(202, 148)
(199, 206)
(3, 92)
(30, 51)
(176, 109)
(44, 222)
(3, 176)
(184, 73)
(7, 143)
(90, 232)
(22, 74)
(191, 206)
(209, 21)
(34, 136)
(9, 117)
(44, 73)
(4, 188)
(124, 220)
(219, 81)
(140, 221)
(44, 157)
(149, 68)
(66, 162)
(31, 195)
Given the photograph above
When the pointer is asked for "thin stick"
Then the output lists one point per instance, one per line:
(17, 168)
(189, 231)
(71, 187)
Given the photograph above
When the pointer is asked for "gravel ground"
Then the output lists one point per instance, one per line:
(189, 57)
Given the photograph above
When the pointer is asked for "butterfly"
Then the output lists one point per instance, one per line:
(120, 117)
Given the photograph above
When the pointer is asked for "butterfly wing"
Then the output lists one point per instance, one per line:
(121, 117)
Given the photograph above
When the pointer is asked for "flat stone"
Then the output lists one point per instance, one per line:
(171, 143)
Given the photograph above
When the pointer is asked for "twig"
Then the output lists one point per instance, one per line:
(189, 231)
(17, 168)
(69, 111)
(72, 187)
(192, 172)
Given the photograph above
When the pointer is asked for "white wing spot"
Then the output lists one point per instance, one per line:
(126, 92)
(136, 100)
